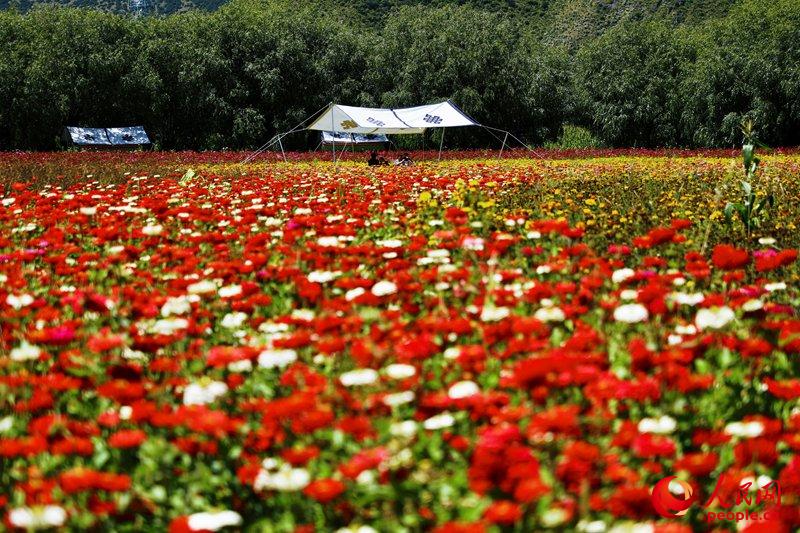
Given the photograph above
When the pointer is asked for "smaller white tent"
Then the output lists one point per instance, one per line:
(353, 139)
(406, 120)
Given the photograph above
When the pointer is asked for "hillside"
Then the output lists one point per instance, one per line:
(563, 17)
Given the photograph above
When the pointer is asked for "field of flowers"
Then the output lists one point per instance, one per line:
(465, 346)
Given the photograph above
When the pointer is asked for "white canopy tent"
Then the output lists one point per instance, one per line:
(342, 119)
(407, 120)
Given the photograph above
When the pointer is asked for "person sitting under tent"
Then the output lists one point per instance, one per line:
(375, 160)
(404, 160)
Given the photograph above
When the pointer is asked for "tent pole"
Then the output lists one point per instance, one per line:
(280, 143)
(503, 146)
(333, 144)
(441, 142)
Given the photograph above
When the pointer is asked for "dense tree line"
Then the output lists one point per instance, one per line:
(234, 77)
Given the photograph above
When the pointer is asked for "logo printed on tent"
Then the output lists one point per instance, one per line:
(432, 119)
(378, 123)
(348, 124)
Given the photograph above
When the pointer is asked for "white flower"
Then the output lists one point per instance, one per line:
(544, 269)
(8, 201)
(25, 352)
(549, 314)
(752, 305)
(632, 527)
(176, 305)
(463, 389)
(400, 371)
(155, 229)
(762, 481)
(233, 320)
(406, 428)
(168, 326)
(441, 421)
(491, 313)
(18, 302)
(746, 430)
(306, 315)
(37, 517)
(439, 253)
(398, 398)
(714, 317)
(384, 288)
(389, 243)
(199, 394)
(214, 521)
(452, 353)
(352, 294)
(554, 517)
(472, 243)
(622, 274)
(630, 313)
(328, 242)
(767, 241)
(322, 276)
(356, 529)
(243, 365)
(367, 477)
(276, 358)
(596, 526)
(660, 426)
(361, 376)
(230, 291)
(88, 211)
(286, 479)
(777, 286)
(682, 298)
(628, 294)
(205, 286)
(6, 424)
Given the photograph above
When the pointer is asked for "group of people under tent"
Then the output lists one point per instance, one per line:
(375, 160)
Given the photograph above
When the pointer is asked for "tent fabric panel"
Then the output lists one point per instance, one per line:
(88, 136)
(353, 138)
(442, 115)
(409, 120)
(133, 135)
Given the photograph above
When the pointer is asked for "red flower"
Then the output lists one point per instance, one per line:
(651, 446)
(127, 438)
(460, 527)
(727, 257)
(503, 512)
(324, 490)
(770, 260)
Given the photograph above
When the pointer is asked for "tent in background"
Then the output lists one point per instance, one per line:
(407, 120)
(343, 119)
(368, 140)
(105, 138)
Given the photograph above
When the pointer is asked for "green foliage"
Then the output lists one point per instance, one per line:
(638, 72)
(573, 137)
(627, 81)
(751, 209)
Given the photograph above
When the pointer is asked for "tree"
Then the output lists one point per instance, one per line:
(628, 80)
